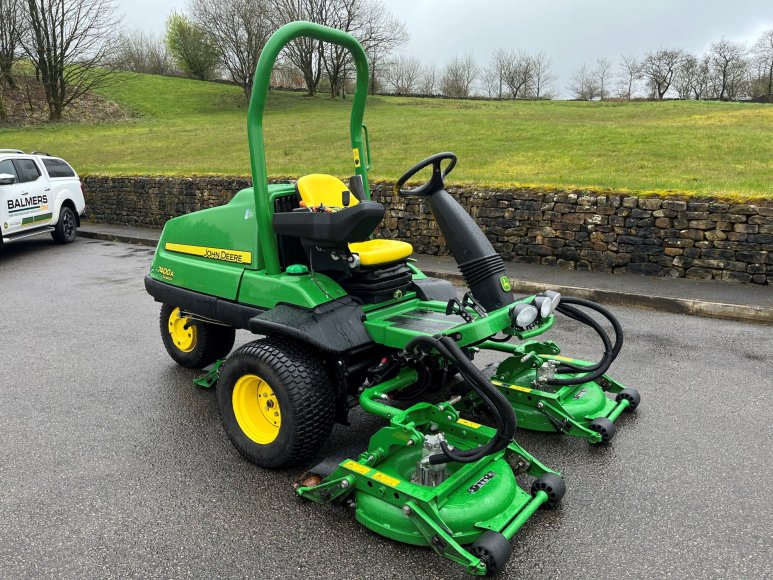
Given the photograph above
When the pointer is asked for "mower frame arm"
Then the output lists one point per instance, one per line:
(260, 87)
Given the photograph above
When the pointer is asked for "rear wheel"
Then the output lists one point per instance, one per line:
(192, 343)
(66, 228)
(276, 402)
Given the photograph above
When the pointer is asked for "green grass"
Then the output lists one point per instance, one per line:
(186, 127)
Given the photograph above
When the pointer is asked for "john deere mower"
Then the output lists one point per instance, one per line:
(348, 319)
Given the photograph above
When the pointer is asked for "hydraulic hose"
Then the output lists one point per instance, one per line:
(593, 372)
(580, 316)
(501, 409)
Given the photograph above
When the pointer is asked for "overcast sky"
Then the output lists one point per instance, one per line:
(571, 32)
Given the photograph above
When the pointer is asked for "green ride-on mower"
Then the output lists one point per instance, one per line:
(349, 319)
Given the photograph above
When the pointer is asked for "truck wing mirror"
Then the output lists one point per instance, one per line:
(7, 179)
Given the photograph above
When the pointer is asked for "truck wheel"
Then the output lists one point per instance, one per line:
(193, 344)
(66, 228)
(276, 402)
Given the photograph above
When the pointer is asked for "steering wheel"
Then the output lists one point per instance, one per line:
(435, 183)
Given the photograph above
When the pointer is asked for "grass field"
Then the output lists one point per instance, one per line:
(186, 127)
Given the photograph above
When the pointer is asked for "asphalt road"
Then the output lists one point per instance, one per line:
(113, 465)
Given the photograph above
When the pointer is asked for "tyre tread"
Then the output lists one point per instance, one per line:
(308, 387)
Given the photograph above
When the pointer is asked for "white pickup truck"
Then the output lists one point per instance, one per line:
(39, 193)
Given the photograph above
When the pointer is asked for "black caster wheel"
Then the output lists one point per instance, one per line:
(632, 396)
(552, 485)
(494, 549)
(605, 428)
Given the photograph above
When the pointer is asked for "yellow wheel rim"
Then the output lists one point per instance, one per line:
(256, 409)
(183, 331)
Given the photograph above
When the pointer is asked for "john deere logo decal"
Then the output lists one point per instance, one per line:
(236, 256)
(504, 281)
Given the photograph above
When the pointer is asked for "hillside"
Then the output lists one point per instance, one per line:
(187, 127)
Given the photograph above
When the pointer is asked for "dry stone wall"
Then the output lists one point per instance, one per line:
(695, 238)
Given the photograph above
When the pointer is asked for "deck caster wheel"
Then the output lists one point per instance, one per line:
(603, 427)
(553, 486)
(630, 395)
(494, 549)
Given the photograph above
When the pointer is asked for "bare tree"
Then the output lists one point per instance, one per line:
(602, 74)
(687, 76)
(240, 29)
(403, 75)
(380, 33)
(519, 73)
(458, 76)
(11, 23)
(496, 71)
(344, 15)
(490, 82)
(727, 64)
(659, 68)
(700, 87)
(304, 52)
(69, 42)
(763, 56)
(543, 76)
(429, 80)
(583, 84)
(286, 75)
(142, 53)
(630, 72)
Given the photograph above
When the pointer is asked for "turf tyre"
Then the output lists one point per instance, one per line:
(303, 391)
(213, 341)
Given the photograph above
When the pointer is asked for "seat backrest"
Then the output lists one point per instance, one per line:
(318, 188)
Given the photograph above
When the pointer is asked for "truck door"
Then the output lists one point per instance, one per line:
(10, 221)
(33, 205)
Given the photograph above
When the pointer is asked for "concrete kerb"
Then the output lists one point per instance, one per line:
(738, 312)
(742, 313)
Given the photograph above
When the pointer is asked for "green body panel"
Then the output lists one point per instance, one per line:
(266, 291)
(233, 227)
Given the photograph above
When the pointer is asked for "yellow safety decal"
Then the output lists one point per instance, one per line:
(467, 423)
(513, 387)
(356, 154)
(236, 256)
(356, 467)
(385, 479)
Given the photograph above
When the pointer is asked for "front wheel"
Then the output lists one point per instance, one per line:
(193, 344)
(276, 402)
(66, 228)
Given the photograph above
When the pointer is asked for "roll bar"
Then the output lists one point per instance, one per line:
(268, 56)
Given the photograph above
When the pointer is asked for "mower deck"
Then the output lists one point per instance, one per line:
(473, 499)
